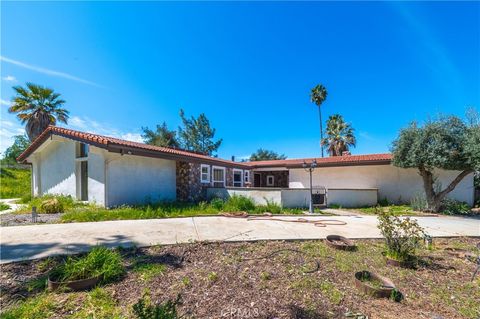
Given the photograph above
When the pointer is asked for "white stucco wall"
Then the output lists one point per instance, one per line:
(96, 175)
(352, 197)
(55, 170)
(298, 198)
(258, 195)
(395, 184)
(135, 180)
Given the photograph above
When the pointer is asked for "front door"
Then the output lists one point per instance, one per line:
(256, 180)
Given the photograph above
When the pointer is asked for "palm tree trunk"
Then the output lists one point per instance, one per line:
(321, 129)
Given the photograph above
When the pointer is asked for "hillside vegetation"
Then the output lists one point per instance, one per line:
(14, 182)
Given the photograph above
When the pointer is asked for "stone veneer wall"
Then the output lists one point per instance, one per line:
(280, 178)
(189, 186)
(229, 177)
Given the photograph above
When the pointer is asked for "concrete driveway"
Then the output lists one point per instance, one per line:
(30, 242)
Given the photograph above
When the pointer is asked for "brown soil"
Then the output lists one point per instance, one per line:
(280, 286)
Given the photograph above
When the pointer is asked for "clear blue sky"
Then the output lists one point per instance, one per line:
(248, 66)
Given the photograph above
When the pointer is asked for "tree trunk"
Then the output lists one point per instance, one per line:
(321, 129)
(434, 200)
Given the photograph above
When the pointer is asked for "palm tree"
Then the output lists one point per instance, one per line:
(340, 135)
(38, 106)
(318, 95)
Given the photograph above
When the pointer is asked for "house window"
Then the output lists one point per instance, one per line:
(205, 178)
(246, 176)
(270, 180)
(237, 178)
(218, 177)
(82, 150)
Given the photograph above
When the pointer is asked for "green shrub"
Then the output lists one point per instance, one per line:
(99, 261)
(384, 202)
(144, 309)
(418, 202)
(217, 203)
(335, 206)
(402, 235)
(4, 206)
(271, 207)
(52, 206)
(239, 203)
(454, 207)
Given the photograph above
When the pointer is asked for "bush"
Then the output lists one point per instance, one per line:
(144, 309)
(271, 207)
(52, 206)
(217, 203)
(402, 236)
(99, 261)
(239, 203)
(384, 202)
(418, 203)
(453, 207)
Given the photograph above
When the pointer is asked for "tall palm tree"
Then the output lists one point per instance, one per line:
(318, 95)
(340, 135)
(38, 106)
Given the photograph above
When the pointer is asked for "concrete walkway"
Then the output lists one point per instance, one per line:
(30, 242)
(12, 203)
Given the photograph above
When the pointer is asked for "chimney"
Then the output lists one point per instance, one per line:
(233, 158)
(346, 153)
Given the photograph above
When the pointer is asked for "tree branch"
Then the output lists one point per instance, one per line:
(454, 183)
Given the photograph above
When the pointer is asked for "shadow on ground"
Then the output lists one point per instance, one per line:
(18, 252)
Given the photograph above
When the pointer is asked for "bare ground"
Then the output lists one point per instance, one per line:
(233, 280)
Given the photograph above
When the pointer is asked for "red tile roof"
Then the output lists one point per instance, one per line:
(116, 144)
(119, 145)
(347, 160)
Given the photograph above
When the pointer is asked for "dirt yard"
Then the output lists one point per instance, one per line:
(259, 280)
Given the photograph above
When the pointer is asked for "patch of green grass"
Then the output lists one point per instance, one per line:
(99, 304)
(92, 213)
(4, 206)
(44, 203)
(212, 276)
(186, 281)
(396, 210)
(327, 288)
(40, 307)
(99, 261)
(37, 284)
(149, 271)
(265, 275)
(14, 182)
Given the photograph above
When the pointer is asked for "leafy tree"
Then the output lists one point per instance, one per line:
(162, 136)
(266, 155)
(340, 135)
(19, 145)
(197, 135)
(318, 95)
(39, 107)
(446, 143)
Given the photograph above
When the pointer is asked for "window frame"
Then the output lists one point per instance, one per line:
(246, 176)
(273, 180)
(213, 175)
(205, 181)
(236, 170)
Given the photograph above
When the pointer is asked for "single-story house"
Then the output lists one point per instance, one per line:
(112, 172)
